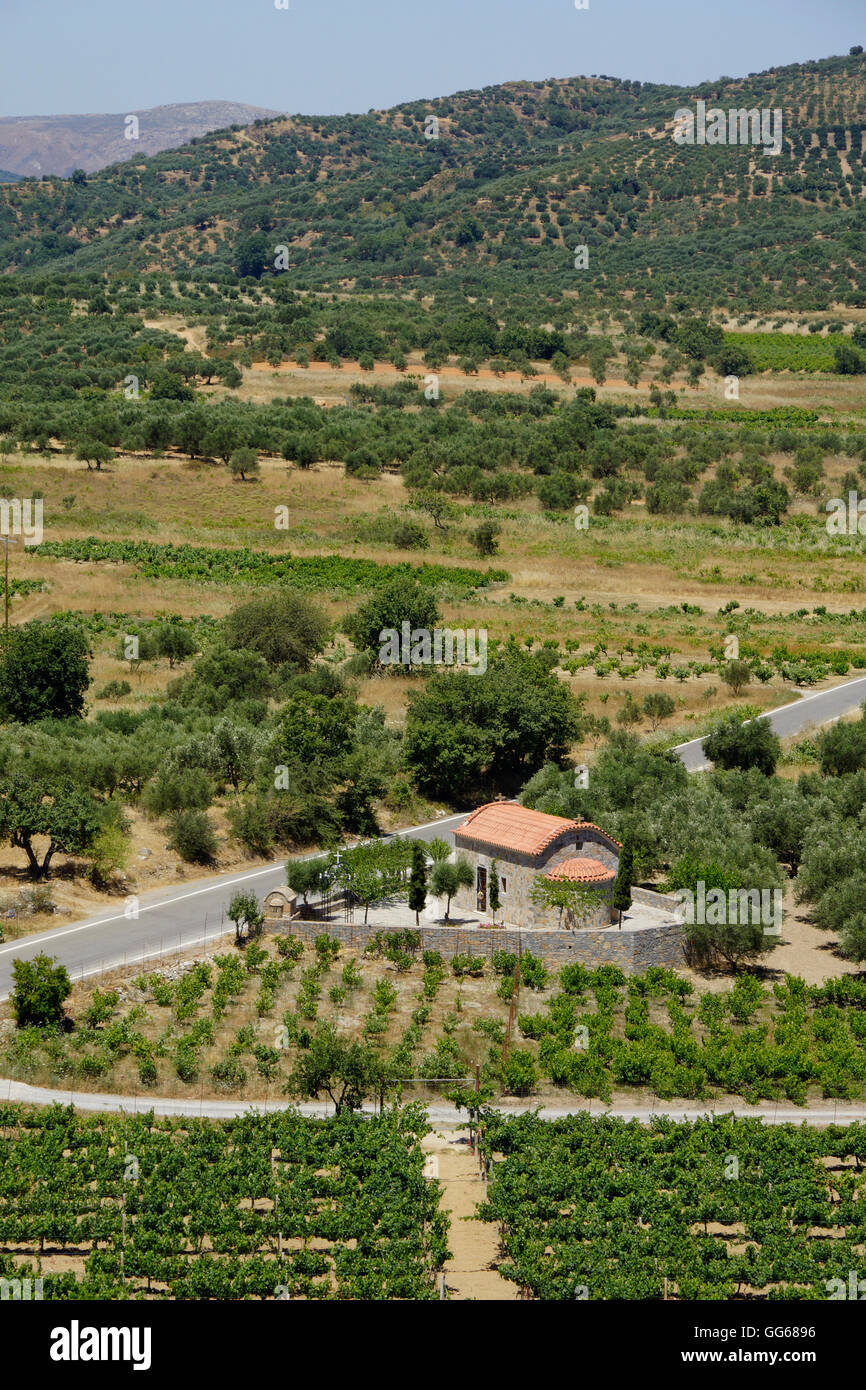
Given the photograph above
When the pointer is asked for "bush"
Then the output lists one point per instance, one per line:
(114, 690)
(290, 947)
(327, 950)
(520, 1074)
(735, 744)
(467, 965)
(192, 837)
(229, 1074)
(177, 789)
(38, 992)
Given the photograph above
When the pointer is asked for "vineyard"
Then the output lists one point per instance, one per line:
(262, 1207)
(789, 352)
(719, 1209)
(203, 565)
(794, 1041)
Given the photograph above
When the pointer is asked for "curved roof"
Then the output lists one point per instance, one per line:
(507, 825)
(581, 869)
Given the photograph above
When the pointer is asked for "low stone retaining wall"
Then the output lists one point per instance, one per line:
(648, 897)
(634, 949)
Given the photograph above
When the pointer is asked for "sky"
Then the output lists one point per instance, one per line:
(329, 57)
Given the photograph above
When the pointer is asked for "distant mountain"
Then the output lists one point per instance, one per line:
(34, 145)
(569, 187)
(7, 177)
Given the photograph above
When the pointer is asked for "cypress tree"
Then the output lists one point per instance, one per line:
(624, 880)
(493, 893)
(418, 880)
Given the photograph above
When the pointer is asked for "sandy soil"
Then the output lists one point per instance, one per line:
(474, 1244)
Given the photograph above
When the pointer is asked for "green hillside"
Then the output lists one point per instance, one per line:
(518, 176)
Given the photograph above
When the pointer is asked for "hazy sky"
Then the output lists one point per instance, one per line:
(336, 56)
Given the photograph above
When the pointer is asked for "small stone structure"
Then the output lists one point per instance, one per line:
(523, 844)
(281, 904)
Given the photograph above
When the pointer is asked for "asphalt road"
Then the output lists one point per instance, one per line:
(169, 919)
(823, 708)
(174, 919)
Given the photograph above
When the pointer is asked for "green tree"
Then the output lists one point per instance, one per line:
(347, 1072)
(304, 876)
(624, 879)
(484, 538)
(44, 672)
(569, 897)
(842, 748)
(93, 451)
(372, 873)
(735, 943)
(252, 256)
(39, 989)
(284, 628)
(847, 361)
(246, 913)
(736, 675)
(657, 707)
(397, 602)
(470, 735)
(66, 815)
(418, 880)
(244, 462)
(493, 892)
(192, 837)
(447, 878)
(175, 641)
(735, 743)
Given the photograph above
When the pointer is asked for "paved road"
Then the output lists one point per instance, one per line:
(439, 1114)
(193, 915)
(823, 708)
(168, 919)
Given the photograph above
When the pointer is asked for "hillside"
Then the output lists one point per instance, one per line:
(517, 177)
(31, 146)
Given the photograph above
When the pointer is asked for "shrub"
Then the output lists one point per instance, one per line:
(352, 978)
(229, 1074)
(467, 965)
(192, 837)
(290, 947)
(38, 992)
(114, 690)
(520, 1074)
(327, 950)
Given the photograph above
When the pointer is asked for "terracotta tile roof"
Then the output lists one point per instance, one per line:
(582, 870)
(590, 825)
(507, 825)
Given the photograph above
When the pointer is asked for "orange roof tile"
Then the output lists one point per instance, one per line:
(582, 870)
(507, 825)
(590, 825)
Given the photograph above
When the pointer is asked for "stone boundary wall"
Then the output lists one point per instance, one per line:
(633, 950)
(665, 902)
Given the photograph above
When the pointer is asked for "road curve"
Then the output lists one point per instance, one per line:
(169, 919)
(823, 708)
(182, 918)
(194, 914)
